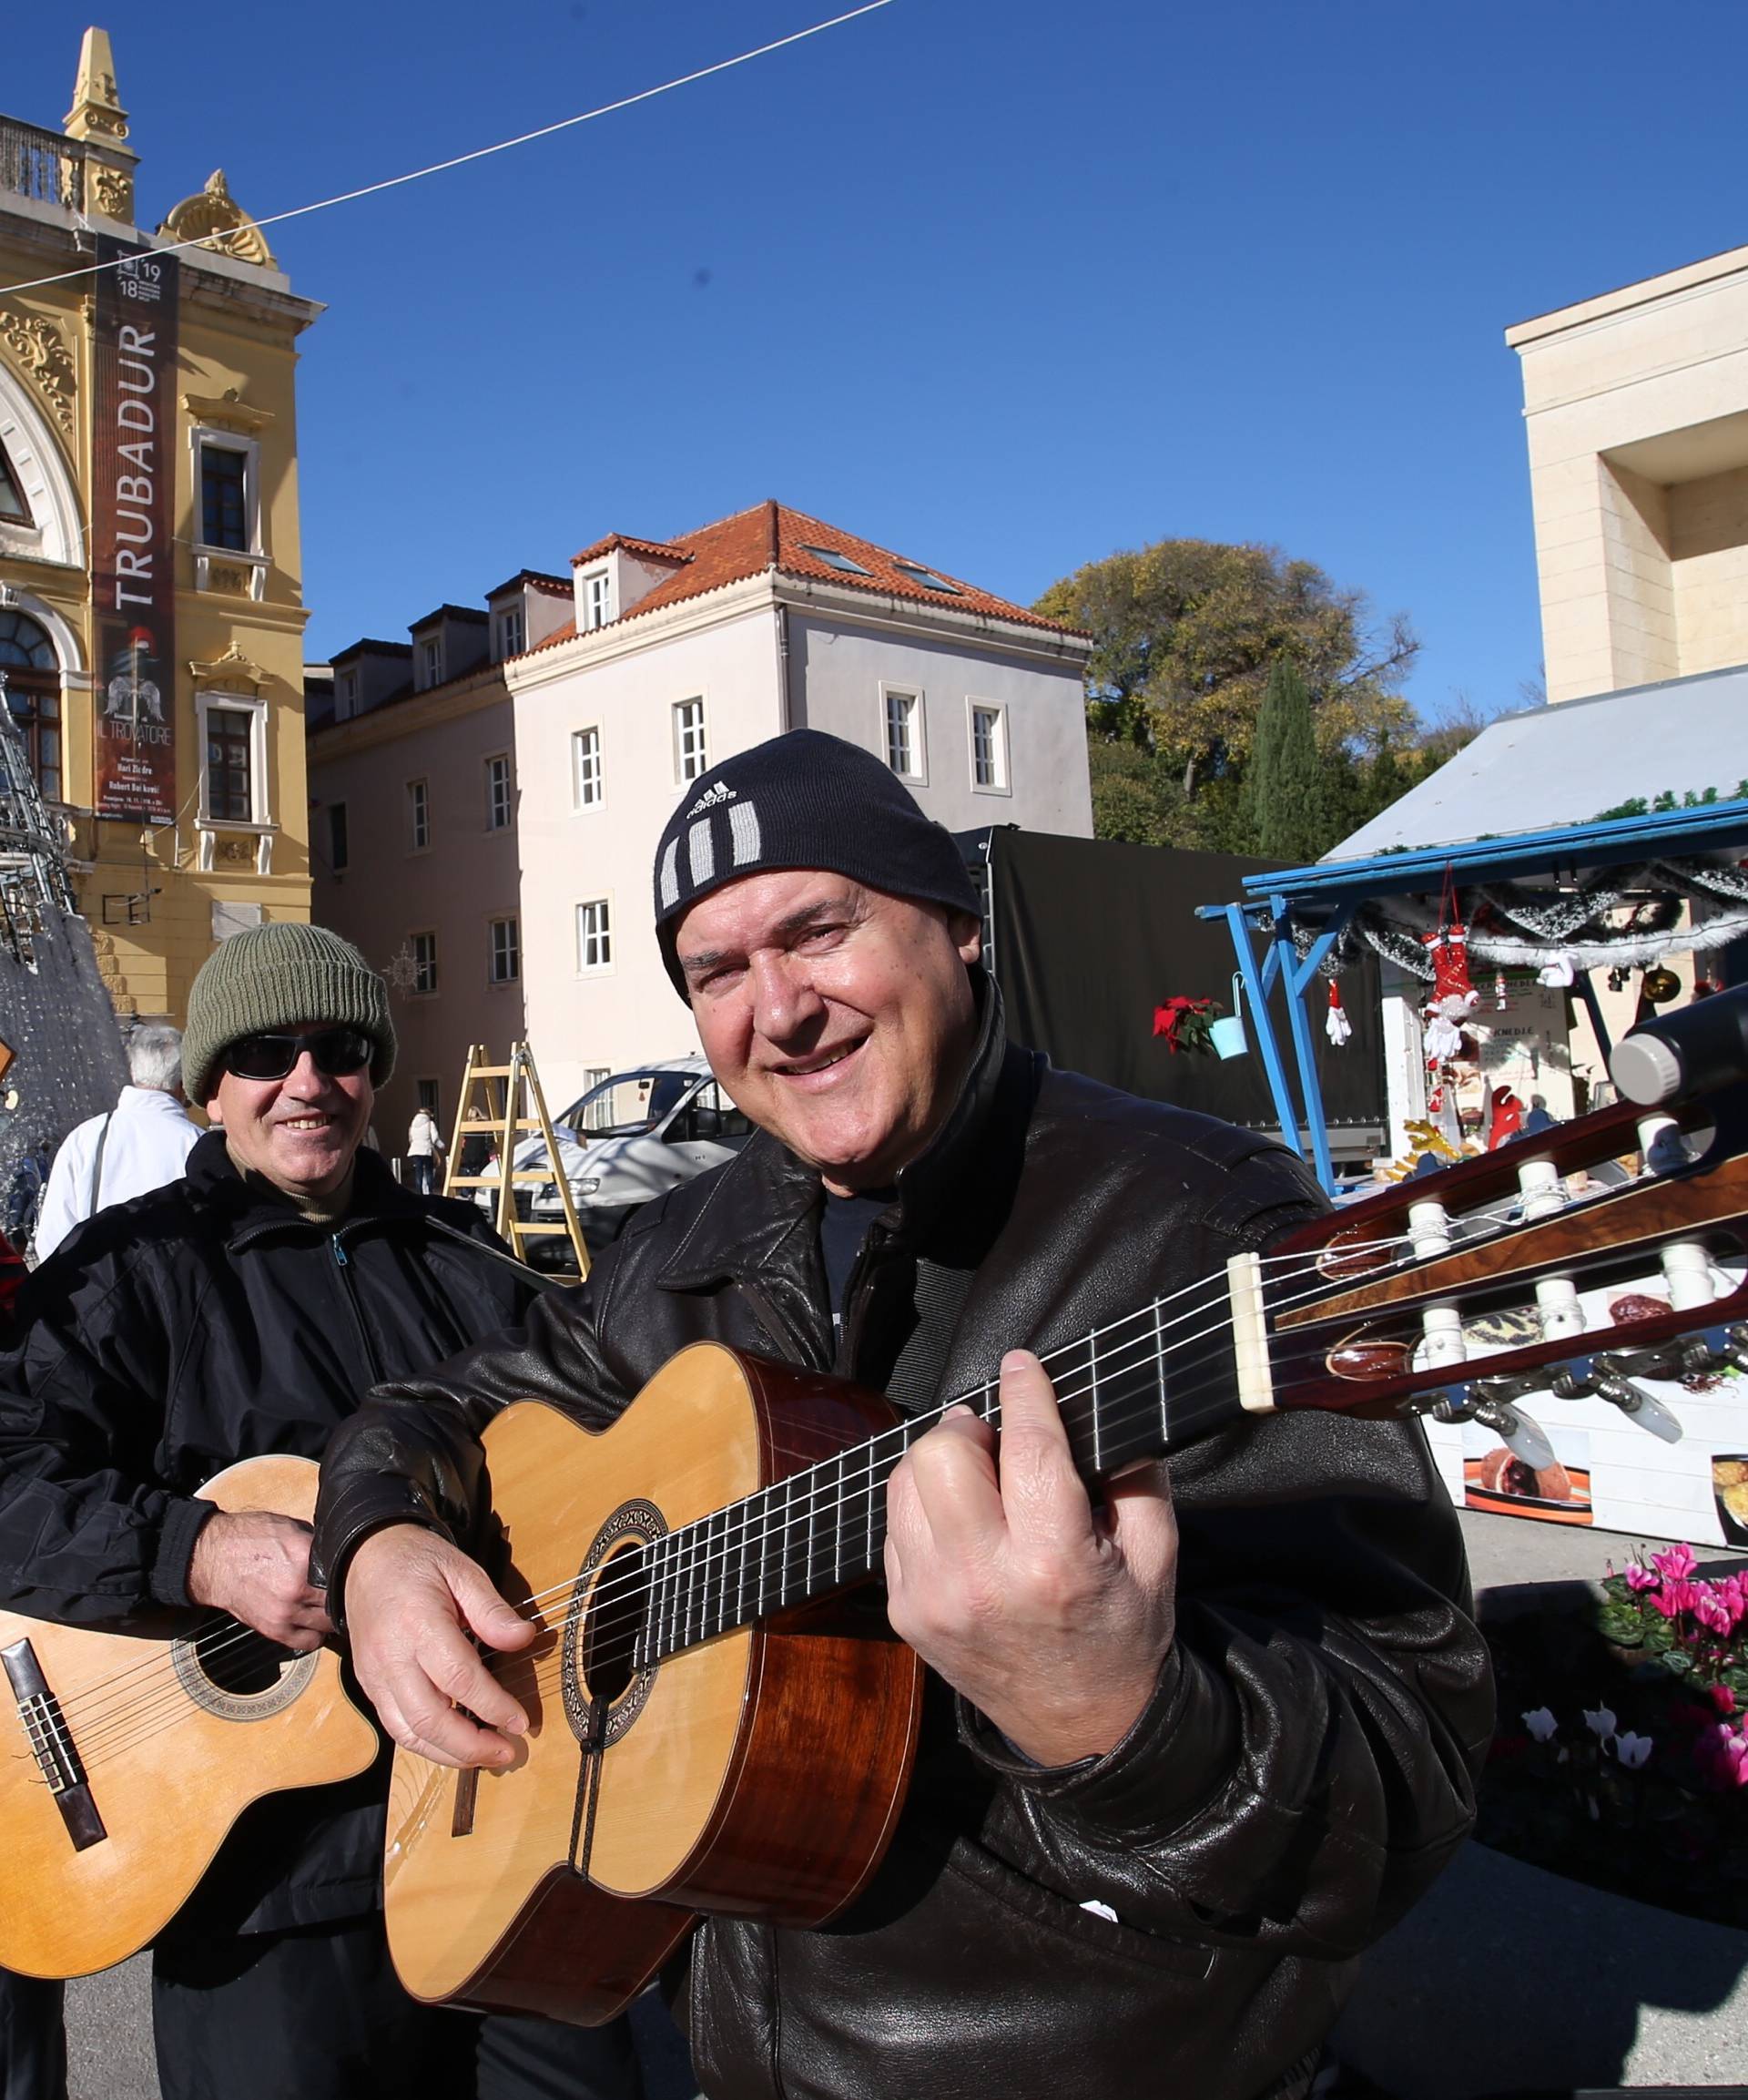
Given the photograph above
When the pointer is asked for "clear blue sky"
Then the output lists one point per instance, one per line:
(1004, 287)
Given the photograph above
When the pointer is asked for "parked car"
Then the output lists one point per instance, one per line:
(635, 1134)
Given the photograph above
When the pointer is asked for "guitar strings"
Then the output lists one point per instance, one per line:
(96, 1720)
(687, 1568)
(125, 1714)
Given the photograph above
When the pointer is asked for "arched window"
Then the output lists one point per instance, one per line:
(14, 509)
(33, 695)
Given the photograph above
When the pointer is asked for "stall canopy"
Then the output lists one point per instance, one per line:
(1666, 748)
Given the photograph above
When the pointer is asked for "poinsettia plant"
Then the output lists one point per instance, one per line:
(1621, 1756)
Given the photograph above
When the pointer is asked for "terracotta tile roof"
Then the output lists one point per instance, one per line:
(772, 536)
(659, 549)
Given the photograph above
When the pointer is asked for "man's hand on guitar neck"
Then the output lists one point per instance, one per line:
(1050, 1617)
(254, 1564)
(413, 1602)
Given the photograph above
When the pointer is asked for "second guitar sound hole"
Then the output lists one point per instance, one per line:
(616, 1616)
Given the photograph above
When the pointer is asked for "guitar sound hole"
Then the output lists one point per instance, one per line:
(240, 1661)
(616, 1615)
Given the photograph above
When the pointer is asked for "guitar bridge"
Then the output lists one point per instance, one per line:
(53, 1746)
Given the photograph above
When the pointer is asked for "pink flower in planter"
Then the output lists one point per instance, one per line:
(1723, 1698)
(1676, 1563)
(1721, 1755)
(1674, 1598)
(1642, 1579)
(1711, 1611)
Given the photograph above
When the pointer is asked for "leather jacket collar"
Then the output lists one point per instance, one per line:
(764, 1209)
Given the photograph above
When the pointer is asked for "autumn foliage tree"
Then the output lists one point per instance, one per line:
(1186, 634)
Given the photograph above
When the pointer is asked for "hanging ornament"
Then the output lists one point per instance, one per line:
(1501, 1000)
(1335, 1023)
(1661, 985)
(1617, 979)
(1559, 974)
(1443, 1039)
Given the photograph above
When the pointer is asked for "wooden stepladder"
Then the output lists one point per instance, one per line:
(514, 1105)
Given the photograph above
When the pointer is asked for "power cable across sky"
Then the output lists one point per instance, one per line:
(486, 152)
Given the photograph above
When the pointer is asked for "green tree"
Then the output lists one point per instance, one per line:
(1286, 790)
(1185, 632)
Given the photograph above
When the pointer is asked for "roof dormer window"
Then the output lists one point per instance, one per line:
(431, 661)
(597, 600)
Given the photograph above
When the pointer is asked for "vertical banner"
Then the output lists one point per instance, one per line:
(132, 505)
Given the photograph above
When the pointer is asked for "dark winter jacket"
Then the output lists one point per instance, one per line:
(1304, 1768)
(169, 1337)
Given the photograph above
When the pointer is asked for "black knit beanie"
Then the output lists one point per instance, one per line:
(802, 800)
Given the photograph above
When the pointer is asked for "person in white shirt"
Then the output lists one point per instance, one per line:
(140, 1144)
(424, 1147)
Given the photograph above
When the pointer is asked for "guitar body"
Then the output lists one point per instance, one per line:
(171, 1746)
(760, 1771)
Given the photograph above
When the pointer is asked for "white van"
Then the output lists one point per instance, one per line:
(635, 1134)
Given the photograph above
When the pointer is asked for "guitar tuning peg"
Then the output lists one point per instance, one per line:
(1639, 1406)
(1522, 1434)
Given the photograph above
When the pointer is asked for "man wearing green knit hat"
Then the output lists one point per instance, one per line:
(239, 1311)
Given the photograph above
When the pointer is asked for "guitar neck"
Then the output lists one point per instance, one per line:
(823, 1528)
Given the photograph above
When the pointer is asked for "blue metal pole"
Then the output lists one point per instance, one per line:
(1255, 984)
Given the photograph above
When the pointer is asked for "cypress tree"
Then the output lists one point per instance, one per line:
(1288, 814)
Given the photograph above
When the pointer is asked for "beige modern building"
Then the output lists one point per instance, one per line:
(151, 612)
(1637, 409)
(545, 773)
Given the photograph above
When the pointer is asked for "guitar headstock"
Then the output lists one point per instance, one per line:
(1622, 1237)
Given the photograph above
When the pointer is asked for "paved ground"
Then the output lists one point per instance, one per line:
(1503, 1979)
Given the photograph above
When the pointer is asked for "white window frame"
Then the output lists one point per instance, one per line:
(895, 688)
(345, 696)
(486, 763)
(595, 1076)
(259, 822)
(417, 818)
(604, 932)
(254, 558)
(579, 800)
(598, 599)
(513, 921)
(682, 779)
(432, 991)
(1003, 784)
(430, 662)
(509, 618)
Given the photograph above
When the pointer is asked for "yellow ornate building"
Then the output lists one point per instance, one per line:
(151, 610)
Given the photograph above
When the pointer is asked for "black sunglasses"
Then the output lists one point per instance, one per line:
(336, 1053)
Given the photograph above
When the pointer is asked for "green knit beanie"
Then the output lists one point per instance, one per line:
(275, 976)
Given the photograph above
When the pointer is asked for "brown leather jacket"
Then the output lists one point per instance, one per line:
(1304, 1768)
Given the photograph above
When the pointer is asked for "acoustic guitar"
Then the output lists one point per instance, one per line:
(124, 1758)
(721, 1718)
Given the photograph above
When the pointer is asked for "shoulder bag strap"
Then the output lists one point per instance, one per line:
(97, 1169)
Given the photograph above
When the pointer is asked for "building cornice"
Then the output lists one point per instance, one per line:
(1671, 285)
(771, 588)
(428, 711)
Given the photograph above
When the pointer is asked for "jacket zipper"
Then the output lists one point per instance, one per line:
(781, 1329)
(342, 1261)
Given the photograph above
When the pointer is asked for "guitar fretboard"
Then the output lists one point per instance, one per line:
(1124, 1395)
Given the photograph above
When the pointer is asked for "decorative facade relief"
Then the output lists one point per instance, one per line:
(41, 349)
(216, 220)
(110, 190)
(231, 671)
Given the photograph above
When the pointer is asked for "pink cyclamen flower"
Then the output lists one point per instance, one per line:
(1723, 1698)
(1713, 1613)
(1674, 1564)
(1674, 1598)
(1633, 1750)
(1721, 1755)
(1642, 1579)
